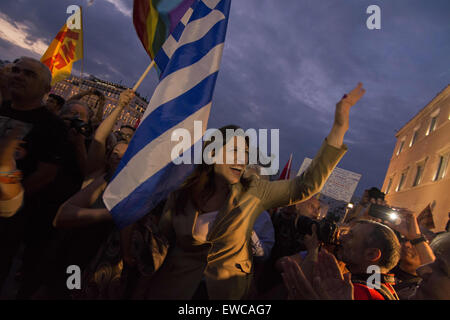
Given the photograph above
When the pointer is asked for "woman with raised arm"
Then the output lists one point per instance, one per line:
(97, 149)
(209, 219)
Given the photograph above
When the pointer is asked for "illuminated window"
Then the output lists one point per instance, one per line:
(401, 147)
(433, 121)
(401, 183)
(432, 126)
(414, 138)
(419, 174)
(389, 186)
(442, 167)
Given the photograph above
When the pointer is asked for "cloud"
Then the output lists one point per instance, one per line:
(19, 35)
(121, 6)
(285, 65)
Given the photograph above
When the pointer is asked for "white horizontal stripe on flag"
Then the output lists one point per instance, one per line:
(170, 45)
(138, 169)
(197, 29)
(183, 80)
(187, 16)
(194, 31)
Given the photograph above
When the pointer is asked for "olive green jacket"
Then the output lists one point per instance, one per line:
(225, 259)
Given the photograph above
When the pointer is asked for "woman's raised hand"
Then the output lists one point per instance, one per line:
(341, 117)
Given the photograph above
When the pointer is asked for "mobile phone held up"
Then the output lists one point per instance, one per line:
(384, 213)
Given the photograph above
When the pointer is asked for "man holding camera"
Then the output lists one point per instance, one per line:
(366, 245)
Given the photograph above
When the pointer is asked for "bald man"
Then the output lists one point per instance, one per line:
(28, 82)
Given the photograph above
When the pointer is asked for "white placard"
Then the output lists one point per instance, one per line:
(341, 184)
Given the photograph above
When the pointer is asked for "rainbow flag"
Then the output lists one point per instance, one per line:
(154, 21)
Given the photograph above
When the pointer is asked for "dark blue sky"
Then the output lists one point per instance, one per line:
(284, 66)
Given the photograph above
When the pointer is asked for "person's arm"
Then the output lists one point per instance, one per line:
(342, 114)
(257, 247)
(80, 95)
(76, 211)
(288, 192)
(312, 245)
(328, 282)
(423, 248)
(409, 228)
(11, 191)
(98, 117)
(358, 209)
(96, 153)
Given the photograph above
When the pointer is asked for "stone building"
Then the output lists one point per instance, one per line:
(418, 172)
(74, 85)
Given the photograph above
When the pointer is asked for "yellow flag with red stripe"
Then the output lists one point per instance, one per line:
(65, 49)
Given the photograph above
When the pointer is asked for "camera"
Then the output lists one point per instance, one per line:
(80, 126)
(383, 212)
(326, 229)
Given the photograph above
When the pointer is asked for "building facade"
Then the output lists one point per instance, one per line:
(74, 85)
(418, 173)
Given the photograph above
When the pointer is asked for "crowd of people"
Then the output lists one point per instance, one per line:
(226, 233)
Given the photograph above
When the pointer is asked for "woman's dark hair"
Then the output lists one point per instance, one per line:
(128, 127)
(201, 181)
(59, 100)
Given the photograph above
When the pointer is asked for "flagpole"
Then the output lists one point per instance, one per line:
(138, 83)
(288, 174)
(82, 44)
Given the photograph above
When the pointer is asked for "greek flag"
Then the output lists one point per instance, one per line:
(189, 62)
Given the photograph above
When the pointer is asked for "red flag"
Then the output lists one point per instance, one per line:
(138, 122)
(286, 173)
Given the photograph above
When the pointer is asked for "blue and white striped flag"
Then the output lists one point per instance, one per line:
(189, 62)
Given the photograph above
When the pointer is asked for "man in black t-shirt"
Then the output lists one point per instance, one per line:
(40, 157)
